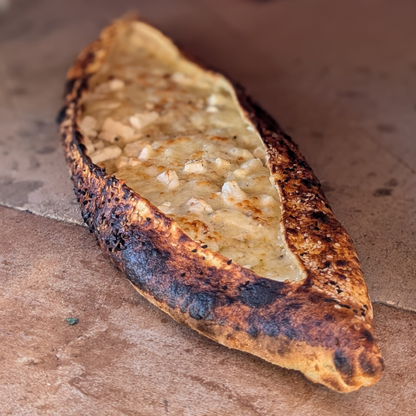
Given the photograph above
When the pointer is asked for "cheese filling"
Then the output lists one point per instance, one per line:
(176, 135)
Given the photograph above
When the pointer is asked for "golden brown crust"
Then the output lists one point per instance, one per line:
(321, 326)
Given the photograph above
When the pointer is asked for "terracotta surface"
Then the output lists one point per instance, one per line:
(341, 79)
(125, 357)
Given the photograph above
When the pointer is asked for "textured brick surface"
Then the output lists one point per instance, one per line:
(125, 357)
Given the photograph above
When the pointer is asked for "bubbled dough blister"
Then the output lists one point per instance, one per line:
(178, 139)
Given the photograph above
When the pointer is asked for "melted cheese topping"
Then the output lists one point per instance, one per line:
(176, 135)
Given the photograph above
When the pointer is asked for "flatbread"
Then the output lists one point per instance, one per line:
(290, 291)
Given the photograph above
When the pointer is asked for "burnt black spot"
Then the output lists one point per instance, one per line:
(271, 328)
(145, 265)
(315, 298)
(342, 364)
(202, 306)
(327, 264)
(253, 331)
(287, 329)
(329, 318)
(126, 192)
(290, 152)
(307, 183)
(266, 119)
(320, 216)
(177, 296)
(60, 117)
(69, 86)
(369, 367)
(367, 335)
(382, 192)
(291, 308)
(341, 263)
(259, 294)
(158, 215)
(183, 238)
(284, 347)
(83, 85)
(288, 138)
(77, 137)
(227, 300)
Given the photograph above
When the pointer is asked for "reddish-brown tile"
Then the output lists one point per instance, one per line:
(125, 357)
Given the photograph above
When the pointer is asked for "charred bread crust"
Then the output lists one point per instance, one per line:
(321, 326)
